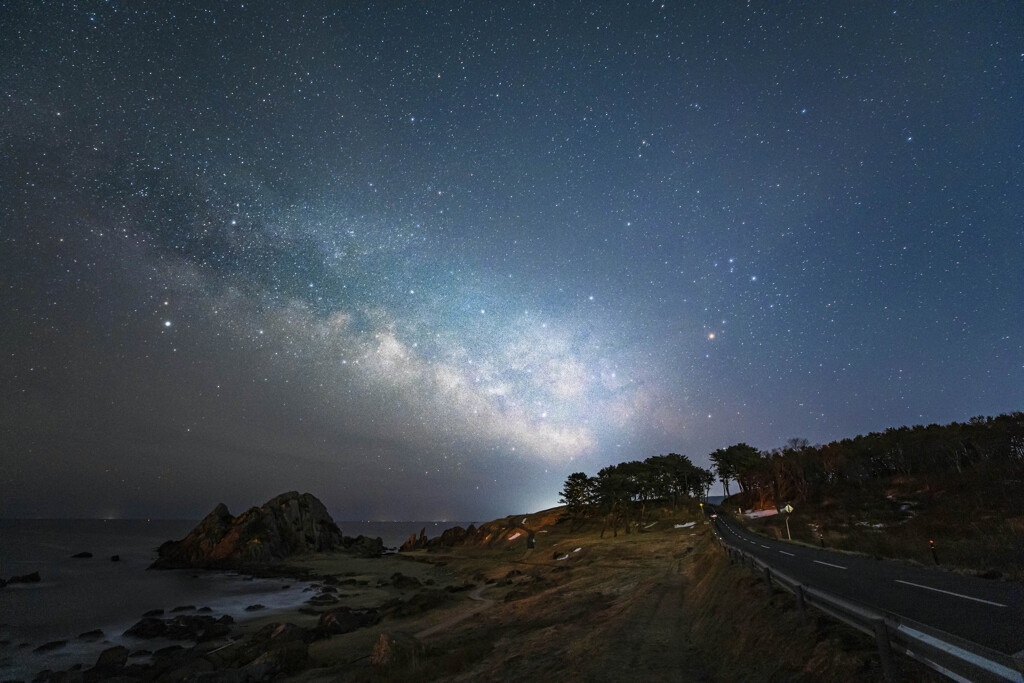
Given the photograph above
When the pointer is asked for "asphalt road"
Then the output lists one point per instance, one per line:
(990, 613)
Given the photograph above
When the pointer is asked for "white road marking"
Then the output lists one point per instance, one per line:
(785, 553)
(959, 595)
(827, 564)
(764, 546)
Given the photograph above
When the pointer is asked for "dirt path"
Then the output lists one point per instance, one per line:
(482, 604)
(651, 636)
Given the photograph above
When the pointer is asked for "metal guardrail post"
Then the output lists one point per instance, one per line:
(768, 576)
(801, 601)
(885, 651)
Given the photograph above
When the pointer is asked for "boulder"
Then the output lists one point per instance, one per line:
(290, 524)
(25, 578)
(146, 628)
(345, 620)
(403, 582)
(112, 658)
(85, 555)
(198, 627)
(115, 558)
(95, 634)
(364, 546)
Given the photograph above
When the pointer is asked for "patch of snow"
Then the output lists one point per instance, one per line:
(577, 550)
(762, 513)
(563, 557)
(514, 536)
(685, 526)
(650, 525)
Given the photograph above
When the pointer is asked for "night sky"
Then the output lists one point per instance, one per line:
(426, 260)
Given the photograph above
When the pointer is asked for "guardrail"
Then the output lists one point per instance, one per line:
(955, 657)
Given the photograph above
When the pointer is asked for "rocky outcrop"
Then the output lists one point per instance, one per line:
(199, 628)
(364, 546)
(290, 524)
(415, 543)
(25, 578)
(520, 529)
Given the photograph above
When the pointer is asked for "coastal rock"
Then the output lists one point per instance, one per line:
(364, 546)
(146, 628)
(415, 543)
(25, 578)
(95, 634)
(449, 537)
(185, 627)
(85, 555)
(287, 525)
(112, 658)
(420, 602)
(453, 536)
(345, 620)
(115, 558)
(403, 582)
(287, 658)
(51, 646)
(250, 660)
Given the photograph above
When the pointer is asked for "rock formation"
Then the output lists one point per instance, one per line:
(290, 524)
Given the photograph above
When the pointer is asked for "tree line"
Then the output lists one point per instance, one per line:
(620, 494)
(798, 470)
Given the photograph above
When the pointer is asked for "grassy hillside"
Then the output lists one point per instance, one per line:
(975, 518)
(659, 604)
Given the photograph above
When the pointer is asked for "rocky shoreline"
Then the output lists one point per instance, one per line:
(190, 643)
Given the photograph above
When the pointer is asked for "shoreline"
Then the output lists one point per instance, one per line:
(360, 583)
(580, 603)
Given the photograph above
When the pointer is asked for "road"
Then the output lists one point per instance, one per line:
(990, 613)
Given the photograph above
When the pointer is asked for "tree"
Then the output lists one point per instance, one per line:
(613, 491)
(724, 468)
(577, 495)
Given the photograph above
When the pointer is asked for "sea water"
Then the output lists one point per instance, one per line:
(76, 595)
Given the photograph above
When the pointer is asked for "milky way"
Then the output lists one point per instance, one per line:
(426, 260)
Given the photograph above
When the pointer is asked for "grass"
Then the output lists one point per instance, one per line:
(659, 605)
(752, 632)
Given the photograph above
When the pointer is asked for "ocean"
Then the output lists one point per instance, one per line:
(79, 595)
